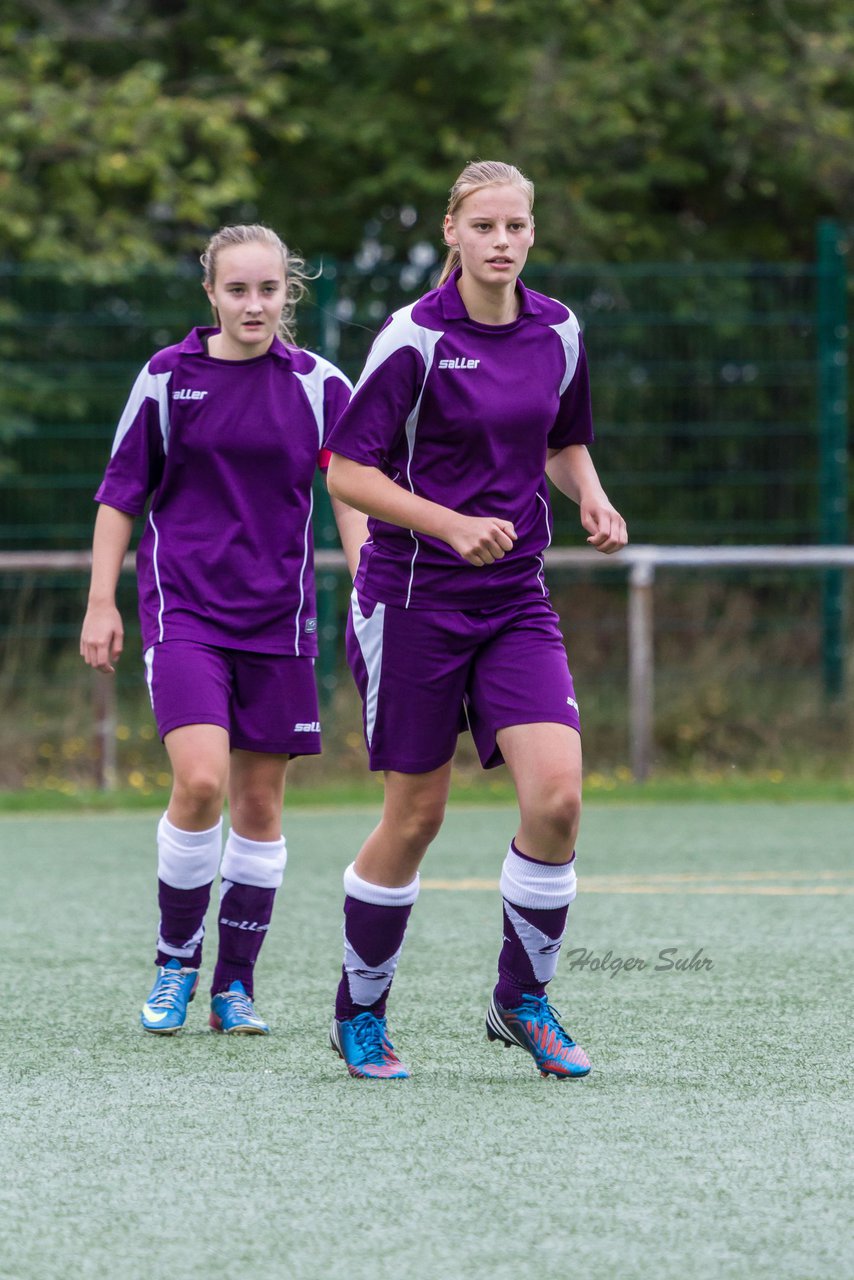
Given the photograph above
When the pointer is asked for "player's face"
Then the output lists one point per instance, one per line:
(493, 230)
(249, 294)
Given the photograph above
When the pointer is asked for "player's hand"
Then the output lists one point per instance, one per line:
(102, 638)
(606, 526)
(481, 539)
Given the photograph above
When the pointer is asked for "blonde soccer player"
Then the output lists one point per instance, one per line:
(218, 447)
(469, 400)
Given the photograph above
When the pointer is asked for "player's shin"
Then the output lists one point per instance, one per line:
(536, 898)
(186, 865)
(252, 871)
(375, 919)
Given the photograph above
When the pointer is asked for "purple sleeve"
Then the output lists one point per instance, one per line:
(136, 465)
(376, 416)
(574, 421)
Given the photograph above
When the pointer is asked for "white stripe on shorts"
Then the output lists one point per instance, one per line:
(148, 659)
(369, 634)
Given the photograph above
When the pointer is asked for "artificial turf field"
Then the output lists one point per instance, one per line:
(710, 1139)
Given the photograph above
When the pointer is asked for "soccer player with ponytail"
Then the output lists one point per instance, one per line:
(219, 444)
(469, 399)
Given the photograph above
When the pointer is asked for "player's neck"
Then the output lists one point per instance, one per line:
(489, 304)
(222, 347)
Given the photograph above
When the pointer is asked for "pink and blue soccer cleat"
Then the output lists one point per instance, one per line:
(233, 1013)
(364, 1045)
(533, 1025)
(165, 1010)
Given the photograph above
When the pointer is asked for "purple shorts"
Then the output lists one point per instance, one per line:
(266, 702)
(425, 674)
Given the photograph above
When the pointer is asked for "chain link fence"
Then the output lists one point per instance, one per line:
(720, 403)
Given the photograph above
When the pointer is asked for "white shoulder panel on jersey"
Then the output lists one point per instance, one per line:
(148, 386)
(568, 331)
(313, 382)
(401, 331)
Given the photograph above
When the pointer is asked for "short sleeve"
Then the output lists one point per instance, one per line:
(574, 421)
(336, 396)
(376, 416)
(139, 447)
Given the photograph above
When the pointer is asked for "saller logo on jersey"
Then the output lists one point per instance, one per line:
(310, 726)
(458, 363)
(187, 394)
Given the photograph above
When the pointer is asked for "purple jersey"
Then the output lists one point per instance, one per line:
(227, 450)
(464, 413)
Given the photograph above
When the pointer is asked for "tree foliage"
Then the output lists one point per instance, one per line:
(671, 129)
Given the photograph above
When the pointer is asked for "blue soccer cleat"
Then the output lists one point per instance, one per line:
(364, 1045)
(533, 1025)
(233, 1013)
(165, 1010)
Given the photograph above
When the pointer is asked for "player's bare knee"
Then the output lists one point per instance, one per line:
(200, 788)
(558, 813)
(421, 823)
(256, 808)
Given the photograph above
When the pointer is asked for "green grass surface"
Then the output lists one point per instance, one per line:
(709, 1141)
(489, 788)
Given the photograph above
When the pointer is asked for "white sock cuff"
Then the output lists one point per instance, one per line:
(257, 862)
(187, 859)
(379, 895)
(541, 885)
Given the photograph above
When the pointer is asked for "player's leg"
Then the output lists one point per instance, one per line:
(381, 887)
(274, 715)
(253, 865)
(189, 844)
(537, 888)
(410, 668)
(522, 709)
(188, 684)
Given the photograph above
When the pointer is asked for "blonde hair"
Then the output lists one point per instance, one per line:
(293, 266)
(477, 175)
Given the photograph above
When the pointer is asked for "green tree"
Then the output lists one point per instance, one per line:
(668, 129)
(653, 128)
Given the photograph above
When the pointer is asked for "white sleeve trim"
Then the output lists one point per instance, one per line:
(568, 331)
(148, 386)
(400, 332)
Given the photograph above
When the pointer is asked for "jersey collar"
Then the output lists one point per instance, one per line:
(453, 307)
(194, 344)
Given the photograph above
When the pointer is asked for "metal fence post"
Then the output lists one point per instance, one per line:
(641, 667)
(833, 457)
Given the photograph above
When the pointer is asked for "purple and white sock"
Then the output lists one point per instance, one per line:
(375, 919)
(252, 871)
(536, 901)
(186, 865)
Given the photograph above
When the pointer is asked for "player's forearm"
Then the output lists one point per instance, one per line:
(368, 490)
(352, 530)
(572, 471)
(110, 542)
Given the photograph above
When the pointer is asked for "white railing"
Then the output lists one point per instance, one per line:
(640, 563)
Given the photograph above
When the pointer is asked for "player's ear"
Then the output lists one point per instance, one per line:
(209, 291)
(448, 230)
